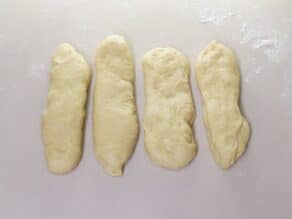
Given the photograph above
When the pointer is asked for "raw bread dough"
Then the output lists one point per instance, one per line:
(218, 77)
(63, 117)
(169, 108)
(115, 118)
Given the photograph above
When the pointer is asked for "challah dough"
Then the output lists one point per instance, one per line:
(115, 118)
(218, 77)
(169, 109)
(63, 117)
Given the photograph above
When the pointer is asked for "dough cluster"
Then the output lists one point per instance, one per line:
(169, 108)
(63, 117)
(115, 116)
(218, 77)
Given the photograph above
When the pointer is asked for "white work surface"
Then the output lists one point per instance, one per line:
(258, 186)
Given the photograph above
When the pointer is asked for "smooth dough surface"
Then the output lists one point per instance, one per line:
(115, 116)
(169, 108)
(63, 117)
(218, 78)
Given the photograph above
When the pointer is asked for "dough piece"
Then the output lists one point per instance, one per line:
(218, 77)
(63, 117)
(115, 118)
(169, 108)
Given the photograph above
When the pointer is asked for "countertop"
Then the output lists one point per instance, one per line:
(259, 184)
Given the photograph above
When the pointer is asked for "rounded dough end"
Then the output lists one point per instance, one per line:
(114, 38)
(211, 53)
(112, 163)
(63, 53)
(225, 159)
(60, 167)
(171, 160)
(114, 44)
(113, 171)
(165, 57)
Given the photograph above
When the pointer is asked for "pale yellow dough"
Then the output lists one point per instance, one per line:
(218, 78)
(115, 118)
(169, 108)
(63, 116)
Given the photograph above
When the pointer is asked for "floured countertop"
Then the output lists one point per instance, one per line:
(258, 186)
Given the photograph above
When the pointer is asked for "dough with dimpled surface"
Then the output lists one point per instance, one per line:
(115, 116)
(64, 114)
(218, 77)
(169, 109)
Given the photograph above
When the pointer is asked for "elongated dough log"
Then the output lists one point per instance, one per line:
(218, 77)
(169, 108)
(64, 114)
(115, 118)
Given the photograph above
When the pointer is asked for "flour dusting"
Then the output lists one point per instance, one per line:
(259, 69)
(271, 42)
(264, 42)
(249, 34)
(214, 16)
